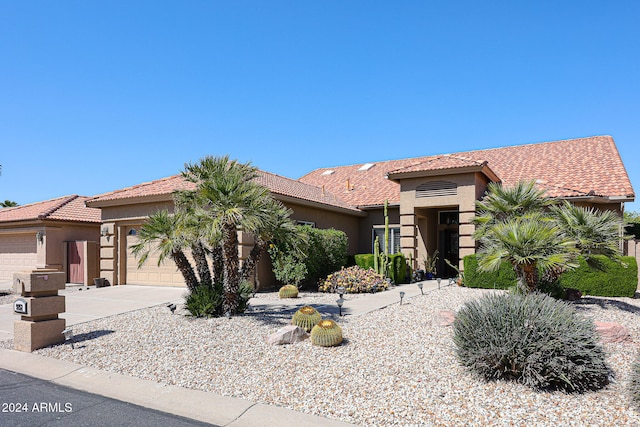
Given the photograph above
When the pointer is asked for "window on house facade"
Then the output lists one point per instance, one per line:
(448, 217)
(309, 223)
(394, 238)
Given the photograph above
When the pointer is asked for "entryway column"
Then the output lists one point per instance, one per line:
(408, 236)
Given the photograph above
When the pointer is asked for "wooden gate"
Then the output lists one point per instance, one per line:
(75, 258)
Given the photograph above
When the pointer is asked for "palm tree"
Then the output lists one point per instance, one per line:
(161, 233)
(596, 232)
(501, 203)
(8, 204)
(532, 244)
(232, 201)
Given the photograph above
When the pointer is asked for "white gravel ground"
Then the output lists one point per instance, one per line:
(396, 367)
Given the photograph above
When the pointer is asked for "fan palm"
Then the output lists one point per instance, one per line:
(531, 244)
(161, 234)
(232, 201)
(595, 232)
(501, 203)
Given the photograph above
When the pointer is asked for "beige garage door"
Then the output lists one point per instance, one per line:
(150, 273)
(17, 252)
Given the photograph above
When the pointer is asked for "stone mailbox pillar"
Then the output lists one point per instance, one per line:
(39, 305)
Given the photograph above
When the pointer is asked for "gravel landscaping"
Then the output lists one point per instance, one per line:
(396, 367)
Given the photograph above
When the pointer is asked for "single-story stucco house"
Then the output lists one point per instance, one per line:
(431, 201)
(60, 234)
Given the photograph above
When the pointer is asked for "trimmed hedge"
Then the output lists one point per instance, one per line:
(364, 261)
(504, 278)
(398, 273)
(601, 277)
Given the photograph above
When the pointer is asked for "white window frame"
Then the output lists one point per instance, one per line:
(394, 237)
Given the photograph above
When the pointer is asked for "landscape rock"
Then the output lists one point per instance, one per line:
(611, 332)
(287, 335)
(444, 317)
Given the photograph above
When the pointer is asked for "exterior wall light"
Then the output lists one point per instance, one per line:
(40, 237)
(104, 232)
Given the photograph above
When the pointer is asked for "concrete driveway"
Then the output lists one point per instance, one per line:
(94, 303)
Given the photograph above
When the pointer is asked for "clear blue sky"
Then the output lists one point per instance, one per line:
(100, 95)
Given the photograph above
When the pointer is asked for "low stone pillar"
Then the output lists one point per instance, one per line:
(39, 305)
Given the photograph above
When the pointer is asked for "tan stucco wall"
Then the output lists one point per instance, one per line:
(20, 250)
(419, 215)
(116, 260)
(375, 217)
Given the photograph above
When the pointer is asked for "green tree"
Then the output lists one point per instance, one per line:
(531, 244)
(8, 204)
(521, 225)
(230, 200)
(595, 232)
(162, 234)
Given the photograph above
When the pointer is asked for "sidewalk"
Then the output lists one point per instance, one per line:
(92, 304)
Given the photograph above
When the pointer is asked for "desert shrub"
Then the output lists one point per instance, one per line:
(206, 301)
(533, 339)
(633, 388)
(604, 277)
(354, 280)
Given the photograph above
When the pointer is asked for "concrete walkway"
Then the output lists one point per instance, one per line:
(85, 305)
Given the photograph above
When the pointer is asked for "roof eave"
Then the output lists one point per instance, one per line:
(310, 203)
(397, 176)
(599, 199)
(97, 203)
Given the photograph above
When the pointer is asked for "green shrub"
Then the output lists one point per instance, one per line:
(206, 301)
(604, 277)
(354, 280)
(633, 387)
(398, 272)
(533, 339)
(504, 278)
(364, 261)
(600, 276)
(325, 252)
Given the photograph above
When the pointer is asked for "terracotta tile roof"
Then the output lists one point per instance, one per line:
(67, 208)
(568, 168)
(277, 184)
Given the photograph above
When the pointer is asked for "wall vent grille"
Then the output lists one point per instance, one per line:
(437, 189)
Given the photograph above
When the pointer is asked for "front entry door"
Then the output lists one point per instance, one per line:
(449, 242)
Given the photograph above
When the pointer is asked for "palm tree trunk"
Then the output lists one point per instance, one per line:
(230, 280)
(530, 277)
(249, 265)
(202, 265)
(217, 259)
(185, 268)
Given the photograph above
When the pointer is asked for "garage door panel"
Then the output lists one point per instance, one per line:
(166, 274)
(17, 252)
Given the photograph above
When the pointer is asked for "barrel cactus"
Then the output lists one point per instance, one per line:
(307, 317)
(326, 333)
(288, 291)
